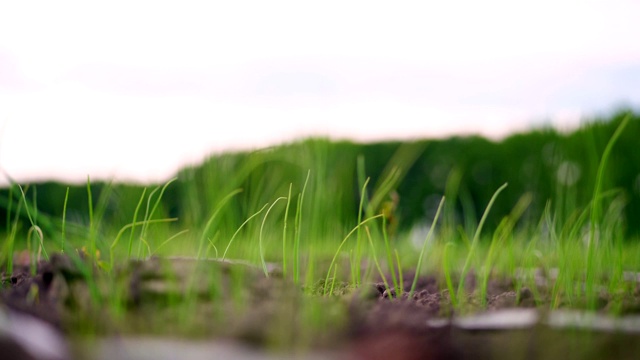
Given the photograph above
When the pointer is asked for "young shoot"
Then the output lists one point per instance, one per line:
(335, 256)
(424, 247)
(224, 254)
(264, 220)
(474, 242)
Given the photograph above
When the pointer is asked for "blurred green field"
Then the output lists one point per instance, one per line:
(558, 170)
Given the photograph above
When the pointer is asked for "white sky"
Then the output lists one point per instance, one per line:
(134, 90)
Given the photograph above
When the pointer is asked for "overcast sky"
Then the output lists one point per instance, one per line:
(134, 90)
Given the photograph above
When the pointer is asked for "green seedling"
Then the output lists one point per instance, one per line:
(64, 220)
(134, 222)
(333, 265)
(149, 215)
(396, 285)
(298, 225)
(211, 220)
(34, 256)
(356, 263)
(377, 263)
(446, 268)
(474, 242)
(501, 236)
(424, 247)
(284, 233)
(596, 213)
(224, 255)
(264, 220)
(131, 226)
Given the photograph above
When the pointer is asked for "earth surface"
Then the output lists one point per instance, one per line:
(190, 308)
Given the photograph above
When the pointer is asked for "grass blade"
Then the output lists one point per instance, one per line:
(596, 211)
(476, 237)
(424, 246)
(264, 220)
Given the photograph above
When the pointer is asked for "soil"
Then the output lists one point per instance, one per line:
(379, 325)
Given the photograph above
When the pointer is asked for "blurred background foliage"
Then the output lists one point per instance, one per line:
(408, 178)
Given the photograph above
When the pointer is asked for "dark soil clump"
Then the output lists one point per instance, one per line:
(43, 292)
